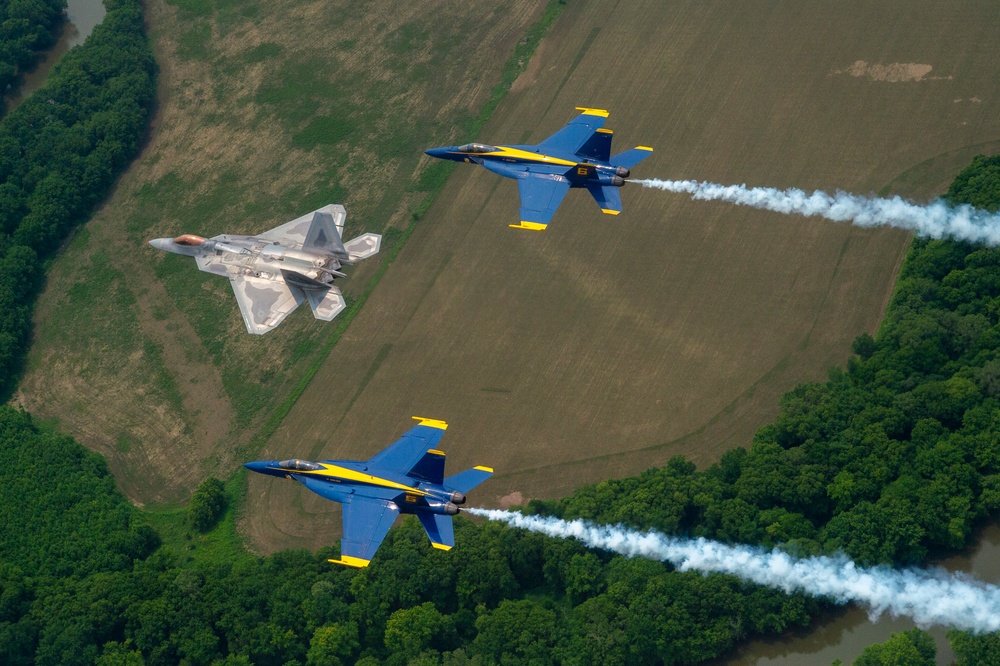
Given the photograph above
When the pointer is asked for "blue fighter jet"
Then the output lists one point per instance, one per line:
(578, 155)
(406, 477)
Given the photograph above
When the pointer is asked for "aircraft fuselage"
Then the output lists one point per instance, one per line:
(252, 255)
(337, 480)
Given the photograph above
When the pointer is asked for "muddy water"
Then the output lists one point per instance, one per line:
(845, 634)
(83, 16)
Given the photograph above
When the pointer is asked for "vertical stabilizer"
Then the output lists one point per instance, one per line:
(324, 237)
(598, 146)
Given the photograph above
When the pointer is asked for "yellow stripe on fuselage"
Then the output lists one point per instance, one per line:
(353, 476)
(527, 156)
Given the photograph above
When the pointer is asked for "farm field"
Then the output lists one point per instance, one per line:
(266, 111)
(606, 345)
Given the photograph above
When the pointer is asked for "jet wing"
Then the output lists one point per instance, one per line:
(264, 303)
(296, 231)
(404, 454)
(577, 132)
(366, 522)
(540, 197)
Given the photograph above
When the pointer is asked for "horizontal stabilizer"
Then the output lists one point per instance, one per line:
(630, 158)
(465, 481)
(326, 306)
(440, 530)
(608, 197)
(362, 247)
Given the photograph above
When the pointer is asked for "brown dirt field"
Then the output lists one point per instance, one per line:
(606, 345)
(151, 367)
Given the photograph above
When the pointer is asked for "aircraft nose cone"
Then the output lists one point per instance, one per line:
(437, 152)
(257, 466)
(161, 243)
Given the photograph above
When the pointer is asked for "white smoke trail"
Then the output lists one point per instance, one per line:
(929, 596)
(935, 220)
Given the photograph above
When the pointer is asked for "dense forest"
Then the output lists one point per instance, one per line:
(890, 460)
(60, 152)
(27, 29)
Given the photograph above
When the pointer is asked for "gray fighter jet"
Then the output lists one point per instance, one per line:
(275, 272)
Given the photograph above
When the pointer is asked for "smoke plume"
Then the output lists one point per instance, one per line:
(934, 220)
(929, 596)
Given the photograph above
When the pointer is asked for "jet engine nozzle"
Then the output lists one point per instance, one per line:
(447, 508)
(617, 181)
(623, 172)
(457, 497)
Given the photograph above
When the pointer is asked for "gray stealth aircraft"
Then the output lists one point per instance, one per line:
(275, 272)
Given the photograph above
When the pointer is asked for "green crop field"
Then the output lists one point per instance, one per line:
(267, 110)
(605, 345)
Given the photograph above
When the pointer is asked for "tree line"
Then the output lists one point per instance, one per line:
(27, 29)
(60, 152)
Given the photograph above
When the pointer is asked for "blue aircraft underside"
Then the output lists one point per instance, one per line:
(578, 155)
(406, 477)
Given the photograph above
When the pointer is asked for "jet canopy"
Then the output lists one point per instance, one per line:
(476, 148)
(295, 463)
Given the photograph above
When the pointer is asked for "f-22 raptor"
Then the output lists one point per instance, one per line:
(406, 477)
(275, 272)
(578, 155)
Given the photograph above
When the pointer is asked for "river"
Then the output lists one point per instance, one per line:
(82, 17)
(845, 634)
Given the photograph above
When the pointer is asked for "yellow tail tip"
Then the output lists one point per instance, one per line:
(587, 111)
(430, 423)
(533, 226)
(483, 469)
(608, 211)
(348, 561)
(440, 546)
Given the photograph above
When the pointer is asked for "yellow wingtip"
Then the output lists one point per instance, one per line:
(348, 561)
(440, 546)
(431, 423)
(533, 226)
(483, 469)
(606, 131)
(608, 211)
(435, 452)
(644, 148)
(587, 111)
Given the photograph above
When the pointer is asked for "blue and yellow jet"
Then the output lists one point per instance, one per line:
(578, 155)
(406, 477)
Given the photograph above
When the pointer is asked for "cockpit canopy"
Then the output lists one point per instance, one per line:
(295, 463)
(476, 148)
(189, 239)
